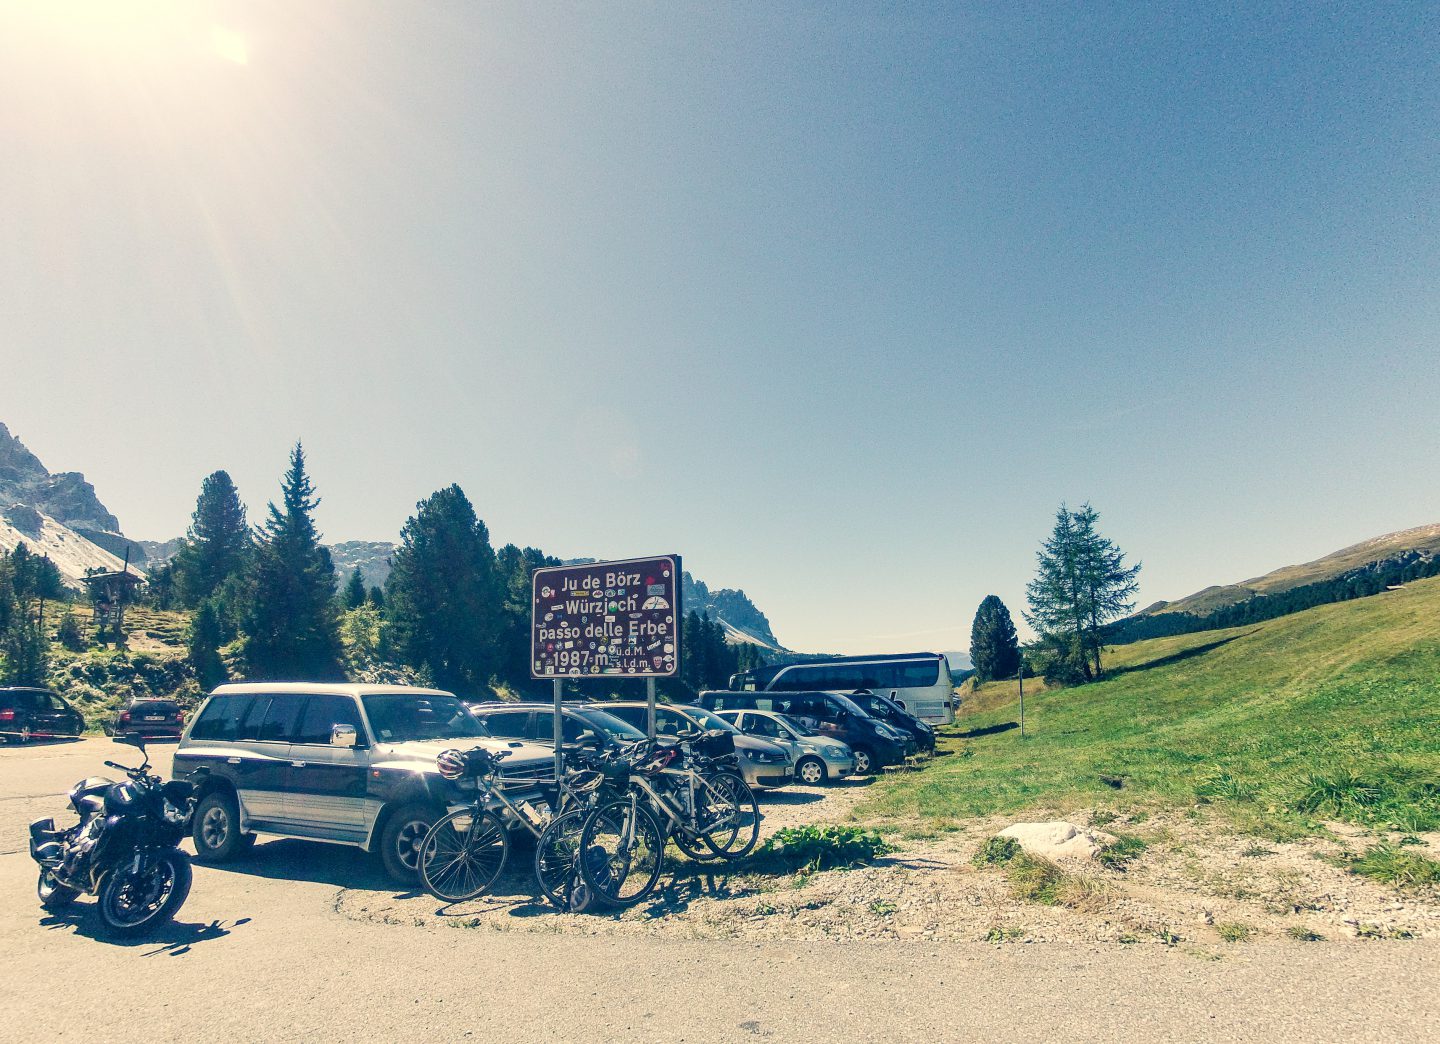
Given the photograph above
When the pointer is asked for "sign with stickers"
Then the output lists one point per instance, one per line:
(615, 619)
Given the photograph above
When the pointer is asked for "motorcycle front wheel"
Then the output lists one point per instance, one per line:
(132, 903)
(53, 895)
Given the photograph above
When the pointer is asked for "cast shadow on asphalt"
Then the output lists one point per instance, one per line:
(316, 862)
(174, 939)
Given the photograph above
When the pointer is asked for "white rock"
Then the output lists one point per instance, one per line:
(1059, 840)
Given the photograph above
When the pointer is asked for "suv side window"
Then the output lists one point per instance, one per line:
(220, 720)
(322, 713)
(281, 719)
(507, 724)
(634, 715)
(667, 722)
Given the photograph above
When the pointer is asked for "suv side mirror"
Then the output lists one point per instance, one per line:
(343, 736)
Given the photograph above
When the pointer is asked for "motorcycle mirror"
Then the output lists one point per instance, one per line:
(132, 739)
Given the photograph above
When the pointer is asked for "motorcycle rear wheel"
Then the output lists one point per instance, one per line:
(130, 905)
(53, 895)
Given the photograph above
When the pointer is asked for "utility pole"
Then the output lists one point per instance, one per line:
(1020, 677)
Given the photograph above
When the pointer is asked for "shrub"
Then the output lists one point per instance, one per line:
(997, 851)
(1234, 931)
(1393, 865)
(1224, 787)
(70, 634)
(1119, 855)
(1300, 933)
(824, 847)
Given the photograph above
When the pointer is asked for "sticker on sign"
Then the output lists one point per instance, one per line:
(615, 619)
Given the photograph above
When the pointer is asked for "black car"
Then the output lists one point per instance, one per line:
(153, 719)
(891, 713)
(27, 714)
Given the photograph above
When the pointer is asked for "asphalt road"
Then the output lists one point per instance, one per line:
(264, 958)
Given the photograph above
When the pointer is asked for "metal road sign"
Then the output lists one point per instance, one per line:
(607, 619)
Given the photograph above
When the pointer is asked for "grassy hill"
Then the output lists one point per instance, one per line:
(1332, 713)
(1424, 539)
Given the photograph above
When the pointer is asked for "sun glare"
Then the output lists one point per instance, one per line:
(229, 45)
(150, 32)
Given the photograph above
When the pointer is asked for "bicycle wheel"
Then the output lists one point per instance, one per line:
(556, 868)
(463, 855)
(621, 853)
(729, 815)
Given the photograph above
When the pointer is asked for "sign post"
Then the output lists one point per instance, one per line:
(606, 620)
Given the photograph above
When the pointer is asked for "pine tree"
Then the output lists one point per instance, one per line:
(355, 590)
(376, 597)
(1081, 584)
(218, 543)
(291, 627)
(26, 652)
(994, 646)
(444, 599)
(69, 632)
(204, 646)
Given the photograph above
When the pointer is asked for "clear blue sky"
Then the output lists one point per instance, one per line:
(839, 302)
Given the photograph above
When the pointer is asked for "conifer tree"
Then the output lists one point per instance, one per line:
(218, 543)
(204, 646)
(26, 653)
(355, 590)
(443, 601)
(994, 646)
(377, 597)
(1081, 584)
(291, 628)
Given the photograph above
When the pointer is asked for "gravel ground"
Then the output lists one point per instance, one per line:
(1193, 884)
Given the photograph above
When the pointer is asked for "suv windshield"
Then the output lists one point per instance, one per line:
(404, 716)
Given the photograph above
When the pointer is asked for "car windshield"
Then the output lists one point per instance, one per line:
(611, 726)
(797, 727)
(707, 719)
(404, 716)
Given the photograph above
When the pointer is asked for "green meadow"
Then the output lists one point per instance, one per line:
(1329, 714)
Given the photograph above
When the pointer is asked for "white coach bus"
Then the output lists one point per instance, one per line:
(919, 682)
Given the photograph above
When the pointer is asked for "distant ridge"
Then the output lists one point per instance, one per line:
(1359, 571)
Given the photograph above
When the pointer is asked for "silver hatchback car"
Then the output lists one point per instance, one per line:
(818, 759)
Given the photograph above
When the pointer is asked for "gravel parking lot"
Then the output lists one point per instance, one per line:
(289, 945)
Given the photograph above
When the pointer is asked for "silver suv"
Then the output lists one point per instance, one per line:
(349, 764)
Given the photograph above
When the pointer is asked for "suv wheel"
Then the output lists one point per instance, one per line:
(864, 762)
(810, 771)
(401, 838)
(215, 829)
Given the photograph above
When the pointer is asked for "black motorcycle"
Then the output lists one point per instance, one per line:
(123, 850)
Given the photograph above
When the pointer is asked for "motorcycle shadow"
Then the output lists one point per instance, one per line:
(172, 939)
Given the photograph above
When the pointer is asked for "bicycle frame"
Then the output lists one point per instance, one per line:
(676, 817)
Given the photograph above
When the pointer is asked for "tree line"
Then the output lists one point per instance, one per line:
(1363, 582)
(454, 612)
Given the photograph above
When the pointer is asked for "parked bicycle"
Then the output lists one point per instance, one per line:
(708, 810)
(465, 852)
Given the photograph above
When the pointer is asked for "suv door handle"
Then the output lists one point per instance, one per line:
(297, 764)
